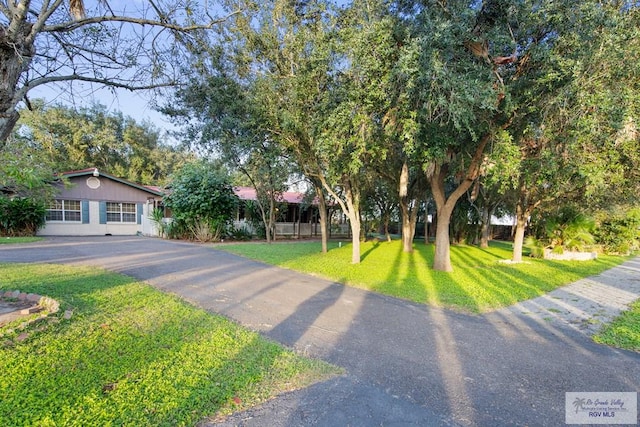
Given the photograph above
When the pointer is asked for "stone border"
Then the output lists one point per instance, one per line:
(570, 255)
(46, 305)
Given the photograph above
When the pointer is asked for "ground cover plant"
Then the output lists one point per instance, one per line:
(10, 240)
(480, 281)
(131, 355)
(624, 331)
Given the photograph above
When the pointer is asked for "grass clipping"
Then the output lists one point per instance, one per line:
(131, 355)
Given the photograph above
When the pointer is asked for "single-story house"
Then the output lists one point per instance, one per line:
(97, 203)
(296, 217)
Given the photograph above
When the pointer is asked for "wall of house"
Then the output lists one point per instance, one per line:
(91, 197)
(83, 187)
(94, 228)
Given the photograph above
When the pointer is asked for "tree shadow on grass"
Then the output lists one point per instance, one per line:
(132, 355)
(366, 253)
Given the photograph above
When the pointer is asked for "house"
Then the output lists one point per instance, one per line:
(296, 217)
(97, 203)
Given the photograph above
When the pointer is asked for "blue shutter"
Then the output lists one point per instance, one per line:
(85, 212)
(139, 213)
(103, 212)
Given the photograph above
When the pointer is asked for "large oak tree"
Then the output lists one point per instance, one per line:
(134, 47)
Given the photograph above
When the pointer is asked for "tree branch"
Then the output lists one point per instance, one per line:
(74, 25)
(45, 13)
(17, 17)
(5, 10)
(78, 77)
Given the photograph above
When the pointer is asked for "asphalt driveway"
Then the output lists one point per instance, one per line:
(407, 364)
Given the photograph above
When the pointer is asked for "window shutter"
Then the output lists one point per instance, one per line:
(139, 213)
(85, 211)
(103, 212)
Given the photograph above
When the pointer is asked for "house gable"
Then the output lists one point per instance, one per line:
(97, 203)
(95, 185)
(104, 188)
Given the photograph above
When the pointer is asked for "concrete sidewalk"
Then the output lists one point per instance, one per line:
(587, 304)
(407, 364)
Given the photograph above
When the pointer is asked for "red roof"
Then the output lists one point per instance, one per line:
(249, 193)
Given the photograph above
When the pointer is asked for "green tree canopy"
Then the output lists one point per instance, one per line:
(93, 137)
(201, 199)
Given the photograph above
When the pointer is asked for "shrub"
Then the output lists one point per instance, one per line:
(535, 246)
(566, 229)
(20, 216)
(157, 216)
(205, 231)
(239, 233)
(620, 233)
(202, 201)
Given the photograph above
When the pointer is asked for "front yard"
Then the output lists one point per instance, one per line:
(132, 355)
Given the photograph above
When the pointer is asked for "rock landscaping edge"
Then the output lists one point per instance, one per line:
(42, 304)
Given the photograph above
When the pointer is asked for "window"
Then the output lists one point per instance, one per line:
(64, 210)
(121, 212)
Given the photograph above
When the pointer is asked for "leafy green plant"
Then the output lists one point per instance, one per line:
(535, 246)
(620, 232)
(239, 233)
(157, 216)
(564, 229)
(21, 216)
(202, 201)
(569, 229)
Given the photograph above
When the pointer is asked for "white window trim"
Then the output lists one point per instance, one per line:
(64, 210)
(121, 213)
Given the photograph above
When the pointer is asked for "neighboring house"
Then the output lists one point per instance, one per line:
(97, 203)
(296, 217)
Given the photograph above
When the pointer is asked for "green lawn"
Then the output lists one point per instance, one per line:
(479, 282)
(9, 240)
(132, 355)
(624, 332)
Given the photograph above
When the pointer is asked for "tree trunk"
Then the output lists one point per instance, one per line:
(387, 218)
(408, 226)
(350, 206)
(444, 209)
(405, 210)
(322, 209)
(408, 213)
(445, 205)
(272, 217)
(354, 221)
(522, 216)
(485, 226)
(353, 213)
(442, 257)
(518, 240)
(267, 227)
(15, 57)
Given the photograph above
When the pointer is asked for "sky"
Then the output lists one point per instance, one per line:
(137, 105)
